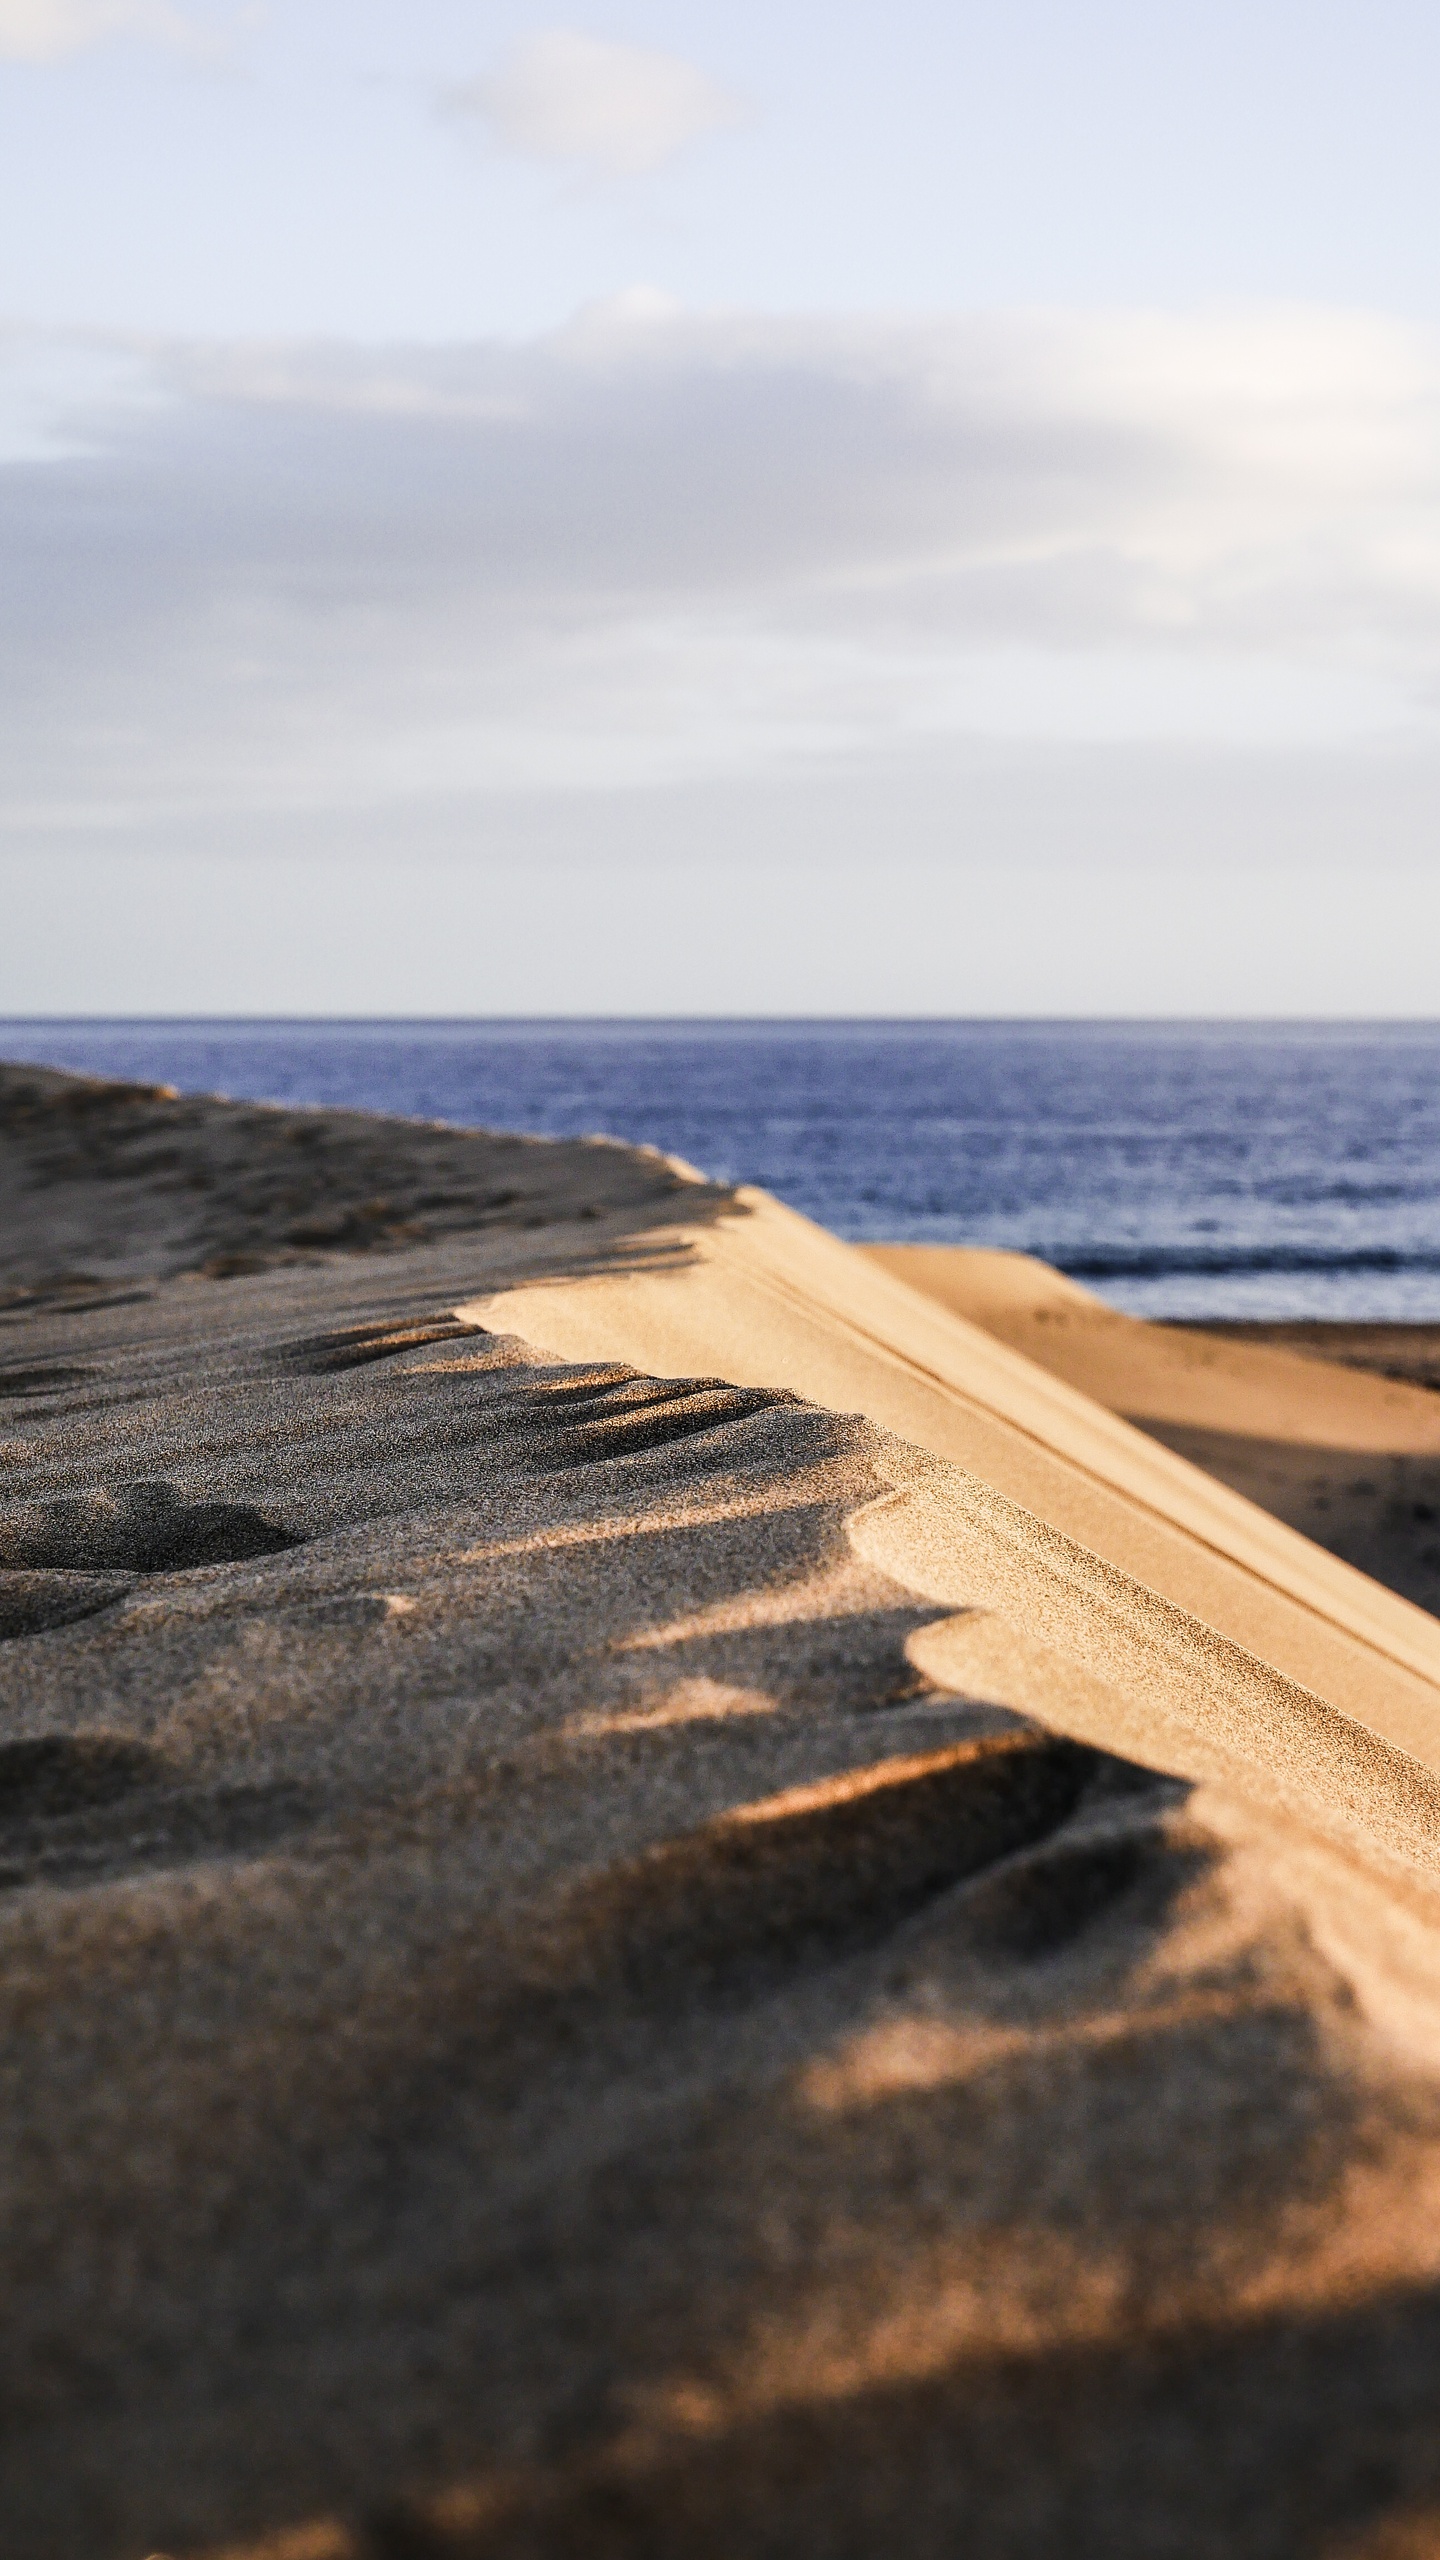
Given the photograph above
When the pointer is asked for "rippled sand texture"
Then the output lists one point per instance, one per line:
(620, 1939)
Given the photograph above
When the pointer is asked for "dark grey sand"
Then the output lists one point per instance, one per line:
(538, 2024)
(1410, 1352)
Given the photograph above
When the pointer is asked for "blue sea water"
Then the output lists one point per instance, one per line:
(1196, 1169)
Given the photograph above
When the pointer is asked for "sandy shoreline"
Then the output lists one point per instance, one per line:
(663, 1899)
(1410, 1352)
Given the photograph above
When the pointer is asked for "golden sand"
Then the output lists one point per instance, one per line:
(663, 1900)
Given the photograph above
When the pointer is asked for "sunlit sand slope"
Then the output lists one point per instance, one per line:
(1348, 1456)
(770, 1300)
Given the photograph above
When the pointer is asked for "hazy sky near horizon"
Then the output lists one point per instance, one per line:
(663, 509)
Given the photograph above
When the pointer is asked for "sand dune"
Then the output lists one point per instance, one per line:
(1345, 1447)
(774, 1301)
(621, 1937)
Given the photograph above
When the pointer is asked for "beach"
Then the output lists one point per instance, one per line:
(675, 1889)
(1333, 1427)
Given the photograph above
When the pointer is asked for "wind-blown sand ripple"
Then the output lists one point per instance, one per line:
(667, 1964)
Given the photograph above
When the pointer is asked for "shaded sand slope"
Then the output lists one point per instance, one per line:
(605, 1964)
(1407, 1351)
(103, 1183)
(1349, 1457)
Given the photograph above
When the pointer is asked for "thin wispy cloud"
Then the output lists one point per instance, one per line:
(653, 549)
(614, 110)
(52, 30)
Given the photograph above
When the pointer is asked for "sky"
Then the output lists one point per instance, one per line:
(660, 509)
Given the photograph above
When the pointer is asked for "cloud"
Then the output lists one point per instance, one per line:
(49, 30)
(616, 109)
(656, 553)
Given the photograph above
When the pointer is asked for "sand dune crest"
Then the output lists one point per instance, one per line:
(668, 1957)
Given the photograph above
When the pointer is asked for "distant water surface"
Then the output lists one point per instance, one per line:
(1198, 1169)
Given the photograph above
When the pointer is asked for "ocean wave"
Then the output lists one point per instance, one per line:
(1221, 1262)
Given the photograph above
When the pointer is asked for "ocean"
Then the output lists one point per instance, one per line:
(1180, 1169)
